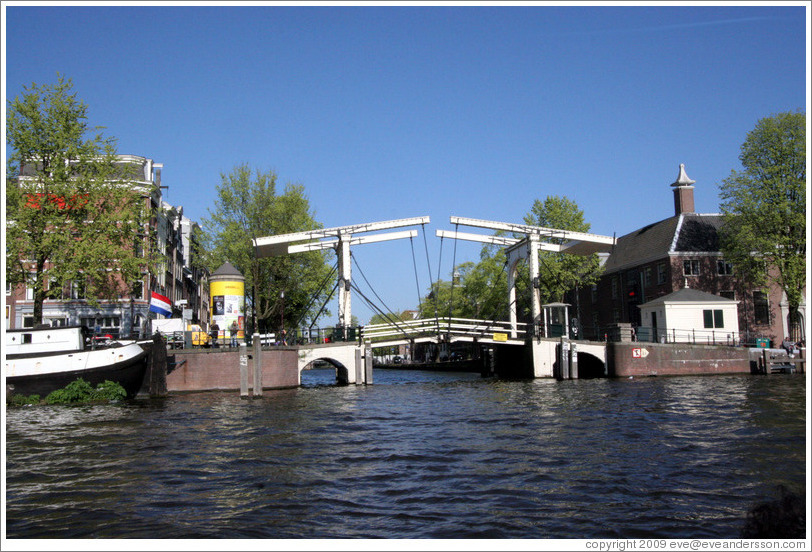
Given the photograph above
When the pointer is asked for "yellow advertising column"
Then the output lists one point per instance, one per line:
(227, 290)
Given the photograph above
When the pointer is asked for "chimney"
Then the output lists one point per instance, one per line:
(683, 192)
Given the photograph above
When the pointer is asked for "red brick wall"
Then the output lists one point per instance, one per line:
(212, 369)
(654, 359)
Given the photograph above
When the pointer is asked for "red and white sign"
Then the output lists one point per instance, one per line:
(639, 353)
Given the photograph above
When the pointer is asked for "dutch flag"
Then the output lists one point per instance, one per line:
(160, 304)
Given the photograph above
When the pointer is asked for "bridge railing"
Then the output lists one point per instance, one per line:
(313, 336)
(433, 327)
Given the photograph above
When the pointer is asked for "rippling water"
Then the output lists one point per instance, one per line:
(416, 455)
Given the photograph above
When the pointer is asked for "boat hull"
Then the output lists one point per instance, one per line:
(40, 375)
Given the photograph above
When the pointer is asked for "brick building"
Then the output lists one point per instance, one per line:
(679, 252)
(128, 316)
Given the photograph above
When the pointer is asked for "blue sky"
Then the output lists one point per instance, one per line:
(386, 112)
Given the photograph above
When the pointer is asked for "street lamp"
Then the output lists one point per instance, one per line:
(282, 313)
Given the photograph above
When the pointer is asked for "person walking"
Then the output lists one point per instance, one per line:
(215, 333)
(234, 329)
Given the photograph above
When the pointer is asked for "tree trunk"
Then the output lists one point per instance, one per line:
(39, 293)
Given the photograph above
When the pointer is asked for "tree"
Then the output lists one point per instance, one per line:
(74, 216)
(248, 207)
(764, 207)
(388, 318)
(562, 272)
(478, 290)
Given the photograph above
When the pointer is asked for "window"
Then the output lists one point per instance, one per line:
(137, 291)
(724, 268)
(56, 322)
(761, 307)
(29, 290)
(594, 293)
(690, 268)
(614, 287)
(77, 289)
(647, 276)
(103, 321)
(660, 273)
(714, 318)
(8, 287)
(28, 321)
(55, 291)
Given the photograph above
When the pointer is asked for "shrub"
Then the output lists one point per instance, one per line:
(109, 391)
(21, 400)
(80, 391)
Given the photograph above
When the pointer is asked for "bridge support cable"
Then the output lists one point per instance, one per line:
(437, 295)
(385, 315)
(316, 294)
(492, 320)
(315, 319)
(339, 239)
(375, 307)
(535, 238)
(416, 279)
(426, 247)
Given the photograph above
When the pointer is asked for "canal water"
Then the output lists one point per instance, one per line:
(416, 455)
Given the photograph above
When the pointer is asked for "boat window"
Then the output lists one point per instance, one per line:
(26, 338)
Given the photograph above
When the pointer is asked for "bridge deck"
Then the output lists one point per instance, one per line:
(436, 330)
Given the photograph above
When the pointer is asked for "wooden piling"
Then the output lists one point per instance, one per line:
(257, 365)
(564, 359)
(243, 370)
(368, 364)
(359, 367)
(157, 367)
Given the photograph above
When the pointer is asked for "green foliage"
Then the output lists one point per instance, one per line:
(80, 391)
(248, 207)
(21, 400)
(109, 391)
(75, 392)
(481, 291)
(71, 214)
(764, 206)
(562, 272)
(388, 317)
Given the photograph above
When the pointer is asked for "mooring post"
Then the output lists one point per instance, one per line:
(257, 343)
(359, 366)
(573, 360)
(243, 370)
(157, 369)
(368, 364)
(564, 360)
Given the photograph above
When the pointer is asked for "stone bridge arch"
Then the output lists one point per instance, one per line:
(591, 366)
(342, 371)
(341, 355)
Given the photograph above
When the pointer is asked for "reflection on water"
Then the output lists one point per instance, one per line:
(416, 455)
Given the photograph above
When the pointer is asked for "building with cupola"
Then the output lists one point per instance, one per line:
(650, 266)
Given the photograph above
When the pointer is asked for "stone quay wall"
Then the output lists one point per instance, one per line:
(654, 359)
(219, 369)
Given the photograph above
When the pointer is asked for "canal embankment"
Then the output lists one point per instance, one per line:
(226, 369)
